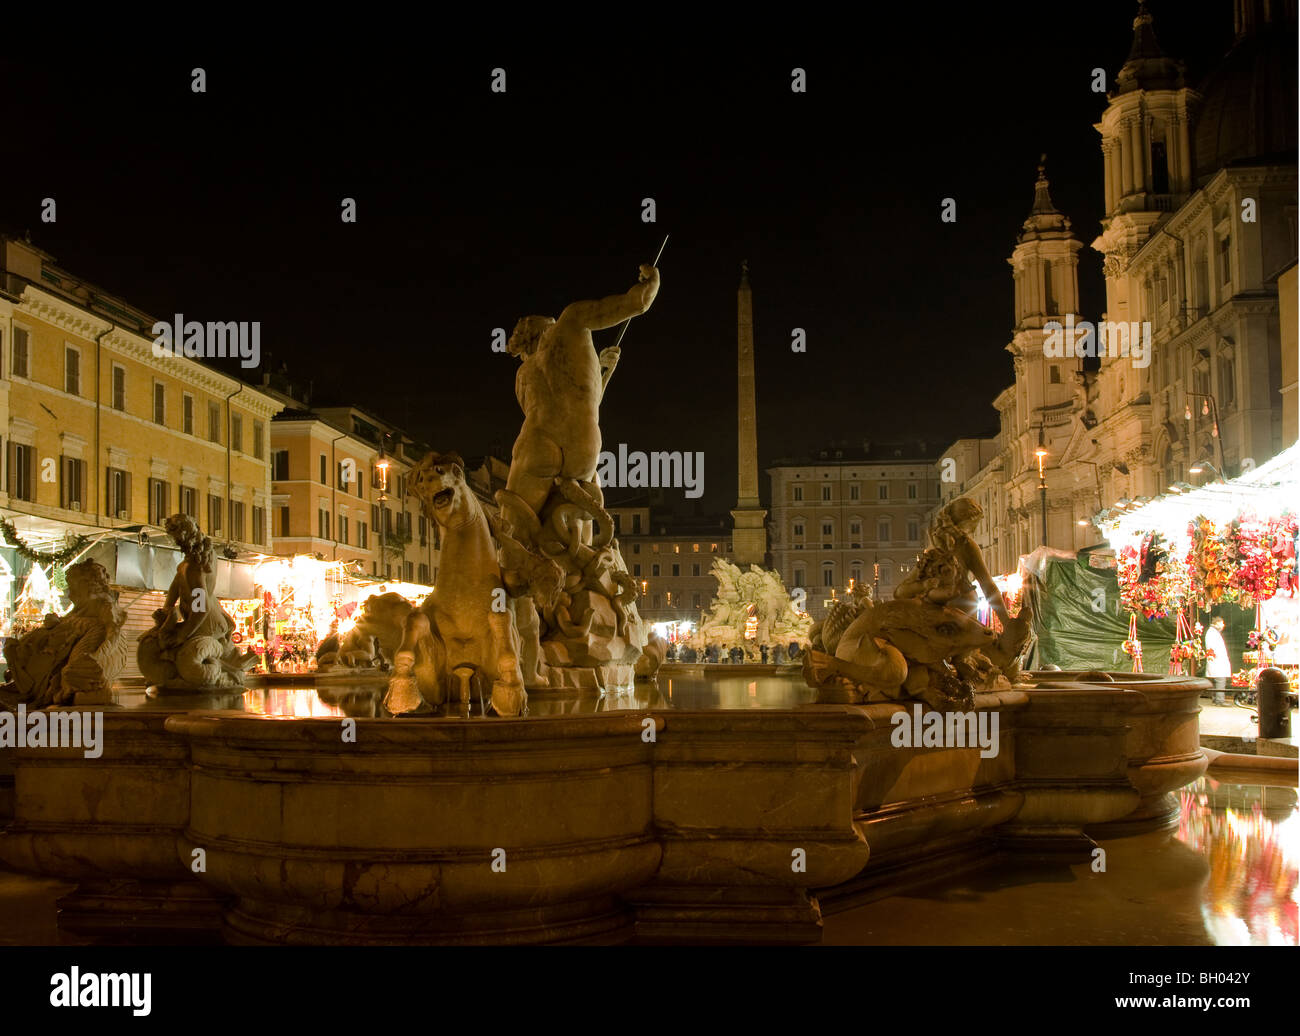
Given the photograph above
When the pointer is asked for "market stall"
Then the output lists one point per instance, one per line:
(299, 602)
(1226, 549)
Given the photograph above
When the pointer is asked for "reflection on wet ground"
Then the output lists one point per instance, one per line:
(364, 698)
(1250, 838)
(1227, 875)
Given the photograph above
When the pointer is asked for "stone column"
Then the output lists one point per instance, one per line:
(1246, 246)
(1123, 143)
(1109, 151)
(1187, 183)
(749, 534)
(1139, 162)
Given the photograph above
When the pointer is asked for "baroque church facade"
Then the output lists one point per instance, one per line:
(1198, 243)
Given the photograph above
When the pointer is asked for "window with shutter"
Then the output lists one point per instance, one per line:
(71, 371)
(22, 347)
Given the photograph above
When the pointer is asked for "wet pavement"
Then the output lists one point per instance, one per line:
(1226, 876)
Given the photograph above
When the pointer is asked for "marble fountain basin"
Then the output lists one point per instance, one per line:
(643, 820)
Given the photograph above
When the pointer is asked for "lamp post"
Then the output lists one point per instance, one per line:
(1041, 454)
(1210, 408)
(382, 468)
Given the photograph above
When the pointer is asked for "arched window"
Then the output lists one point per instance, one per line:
(828, 573)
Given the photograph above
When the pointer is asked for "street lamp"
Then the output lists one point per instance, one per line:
(1041, 454)
(382, 468)
(1201, 465)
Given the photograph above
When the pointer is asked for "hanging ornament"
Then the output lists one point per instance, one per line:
(1133, 646)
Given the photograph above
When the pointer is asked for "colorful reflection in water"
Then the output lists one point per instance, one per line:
(365, 699)
(1250, 836)
(288, 702)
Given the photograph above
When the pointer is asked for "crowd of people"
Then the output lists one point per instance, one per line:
(776, 654)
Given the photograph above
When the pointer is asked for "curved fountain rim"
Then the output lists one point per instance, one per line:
(408, 730)
(1069, 679)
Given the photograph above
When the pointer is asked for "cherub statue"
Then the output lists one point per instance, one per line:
(190, 646)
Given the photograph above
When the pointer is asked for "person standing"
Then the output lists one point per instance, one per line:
(1217, 665)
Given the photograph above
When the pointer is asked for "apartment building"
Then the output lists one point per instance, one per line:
(101, 434)
(850, 514)
(671, 558)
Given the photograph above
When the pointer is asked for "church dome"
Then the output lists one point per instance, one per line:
(1248, 111)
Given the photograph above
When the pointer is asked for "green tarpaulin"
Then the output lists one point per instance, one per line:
(1080, 623)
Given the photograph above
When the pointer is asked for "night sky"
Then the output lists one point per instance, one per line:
(475, 209)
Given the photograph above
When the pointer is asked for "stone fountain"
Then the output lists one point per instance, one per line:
(657, 824)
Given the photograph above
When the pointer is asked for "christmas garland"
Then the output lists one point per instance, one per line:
(1212, 564)
(1250, 560)
(1151, 580)
(41, 557)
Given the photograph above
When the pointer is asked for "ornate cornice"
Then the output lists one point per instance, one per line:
(41, 305)
(51, 309)
(182, 368)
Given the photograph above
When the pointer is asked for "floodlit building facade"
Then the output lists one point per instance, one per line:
(1182, 378)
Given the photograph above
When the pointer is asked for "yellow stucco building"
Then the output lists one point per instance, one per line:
(100, 433)
(104, 439)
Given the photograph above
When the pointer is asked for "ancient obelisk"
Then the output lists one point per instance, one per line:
(749, 533)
